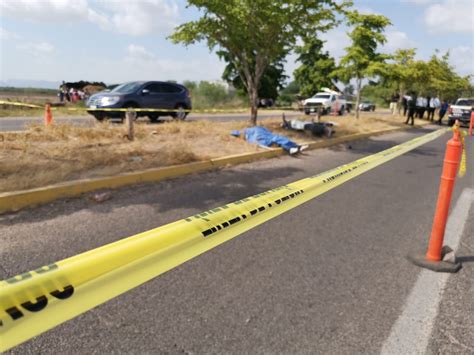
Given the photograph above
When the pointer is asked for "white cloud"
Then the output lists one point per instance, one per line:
(146, 64)
(397, 40)
(136, 53)
(143, 64)
(365, 10)
(37, 49)
(336, 42)
(450, 16)
(45, 10)
(462, 58)
(7, 35)
(419, 2)
(139, 17)
(135, 18)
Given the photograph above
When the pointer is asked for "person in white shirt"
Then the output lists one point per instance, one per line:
(420, 107)
(433, 106)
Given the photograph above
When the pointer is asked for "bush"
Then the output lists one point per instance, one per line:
(206, 95)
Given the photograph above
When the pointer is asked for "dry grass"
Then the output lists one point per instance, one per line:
(62, 152)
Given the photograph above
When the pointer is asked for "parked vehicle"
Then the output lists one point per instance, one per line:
(264, 103)
(326, 101)
(173, 98)
(461, 111)
(350, 102)
(367, 106)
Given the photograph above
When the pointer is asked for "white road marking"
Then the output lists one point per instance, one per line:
(411, 332)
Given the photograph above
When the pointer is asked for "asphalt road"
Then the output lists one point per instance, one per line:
(328, 277)
(21, 123)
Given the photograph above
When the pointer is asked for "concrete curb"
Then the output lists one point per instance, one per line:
(16, 200)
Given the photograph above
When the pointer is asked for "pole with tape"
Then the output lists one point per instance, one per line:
(48, 116)
(438, 257)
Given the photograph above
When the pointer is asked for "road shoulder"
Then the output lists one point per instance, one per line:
(454, 327)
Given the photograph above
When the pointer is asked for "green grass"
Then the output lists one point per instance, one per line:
(26, 91)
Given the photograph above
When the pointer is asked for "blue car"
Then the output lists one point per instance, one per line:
(173, 98)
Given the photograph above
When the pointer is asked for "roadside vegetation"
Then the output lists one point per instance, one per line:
(62, 152)
(254, 39)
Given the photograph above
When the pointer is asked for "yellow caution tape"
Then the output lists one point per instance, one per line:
(462, 165)
(19, 104)
(462, 134)
(159, 110)
(36, 301)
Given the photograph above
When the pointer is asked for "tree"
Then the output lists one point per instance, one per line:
(289, 93)
(316, 66)
(256, 33)
(273, 78)
(403, 71)
(443, 80)
(212, 93)
(190, 85)
(380, 92)
(361, 59)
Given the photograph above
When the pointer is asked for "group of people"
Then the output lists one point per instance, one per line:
(417, 106)
(71, 94)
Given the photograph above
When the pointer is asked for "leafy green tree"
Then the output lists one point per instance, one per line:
(273, 78)
(435, 77)
(256, 33)
(316, 66)
(362, 59)
(212, 93)
(402, 71)
(443, 80)
(290, 93)
(191, 85)
(380, 92)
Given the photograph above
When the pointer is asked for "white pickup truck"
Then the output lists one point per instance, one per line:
(461, 111)
(326, 101)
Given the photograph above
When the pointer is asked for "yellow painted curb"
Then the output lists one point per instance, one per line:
(16, 200)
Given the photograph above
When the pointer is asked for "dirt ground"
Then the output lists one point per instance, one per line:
(45, 155)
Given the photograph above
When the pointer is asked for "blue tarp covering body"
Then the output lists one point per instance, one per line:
(262, 136)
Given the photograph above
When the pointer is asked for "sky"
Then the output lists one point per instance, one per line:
(124, 40)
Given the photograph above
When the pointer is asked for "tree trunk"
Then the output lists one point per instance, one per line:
(401, 93)
(359, 85)
(253, 100)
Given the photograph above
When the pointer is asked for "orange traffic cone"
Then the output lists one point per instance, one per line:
(433, 259)
(48, 116)
(471, 123)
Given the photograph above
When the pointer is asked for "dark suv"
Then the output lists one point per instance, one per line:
(174, 99)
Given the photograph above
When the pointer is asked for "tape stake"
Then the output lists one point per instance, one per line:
(35, 301)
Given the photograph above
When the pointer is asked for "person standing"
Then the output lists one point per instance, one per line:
(405, 104)
(427, 107)
(393, 103)
(412, 107)
(433, 105)
(419, 107)
(442, 111)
